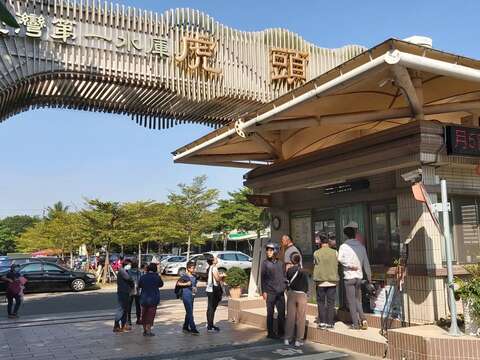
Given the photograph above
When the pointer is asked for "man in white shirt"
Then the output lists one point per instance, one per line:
(353, 257)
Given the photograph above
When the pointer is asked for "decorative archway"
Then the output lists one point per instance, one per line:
(161, 69)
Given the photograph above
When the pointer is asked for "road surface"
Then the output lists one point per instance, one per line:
(89, 300)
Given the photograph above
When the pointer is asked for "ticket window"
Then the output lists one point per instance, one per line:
(384, 244)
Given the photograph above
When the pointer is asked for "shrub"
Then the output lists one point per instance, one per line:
(236, 277)
(469, 288)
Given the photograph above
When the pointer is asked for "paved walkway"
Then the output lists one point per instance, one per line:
(79, 336)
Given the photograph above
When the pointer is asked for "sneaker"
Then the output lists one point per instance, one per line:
(298, 343)
(330, 326)
(194, 332)
(150, 334)
(322, 326)
(364, 325)
(354, 327)
(286, 342)
(186, 330)
(213, 329)
(127, 328)
(117, 329)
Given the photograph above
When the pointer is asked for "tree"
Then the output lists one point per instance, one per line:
(102, 221)
(11, 227)
(189, 211)
(139, 225)
(57, 209)
(64, 233)
(237, 213)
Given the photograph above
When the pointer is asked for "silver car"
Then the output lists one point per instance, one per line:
(226, 260)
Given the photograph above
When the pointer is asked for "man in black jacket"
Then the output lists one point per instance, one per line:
(124, 286)
(273, 288)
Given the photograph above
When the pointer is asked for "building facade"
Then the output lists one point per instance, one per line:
(335, 150)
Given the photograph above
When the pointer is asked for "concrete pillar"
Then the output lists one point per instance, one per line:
(425, 295)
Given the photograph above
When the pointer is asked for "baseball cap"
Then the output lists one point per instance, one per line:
(351, 224)
(270, 246)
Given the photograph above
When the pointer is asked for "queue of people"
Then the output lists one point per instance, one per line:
(142, 288)
(282, 274)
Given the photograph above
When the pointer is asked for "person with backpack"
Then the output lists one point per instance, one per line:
(135, 275)
(354, 259)
(188, 284)
(15, 284)
(296, 302)
(214, 291)
(149, 284)
(325, 276)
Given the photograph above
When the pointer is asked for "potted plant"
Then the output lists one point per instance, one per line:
(236, 279)
(469, 291)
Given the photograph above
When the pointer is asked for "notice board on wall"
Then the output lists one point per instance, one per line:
(301, 231)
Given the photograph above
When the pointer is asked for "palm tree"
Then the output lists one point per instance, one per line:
(55, 210)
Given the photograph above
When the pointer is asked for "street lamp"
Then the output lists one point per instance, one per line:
(415, 178)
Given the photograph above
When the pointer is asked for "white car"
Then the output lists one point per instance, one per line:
(226, 260)
(168, 261)
(179, 268)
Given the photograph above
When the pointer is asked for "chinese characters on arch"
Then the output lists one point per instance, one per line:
(197, 52)
(288, 65)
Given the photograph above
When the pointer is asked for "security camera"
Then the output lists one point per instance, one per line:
(413, 176)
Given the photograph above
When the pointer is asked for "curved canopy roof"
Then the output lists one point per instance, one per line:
(390, 84)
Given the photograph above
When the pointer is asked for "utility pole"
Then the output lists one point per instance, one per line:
(445, 208)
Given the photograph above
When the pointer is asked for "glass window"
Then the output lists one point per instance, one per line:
(379, 241)
(384, 244)
(466, 229)
(242, 257)
(229, 257)
(51, 268)
(32, 268)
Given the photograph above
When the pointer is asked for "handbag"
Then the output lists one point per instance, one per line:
(289, 282)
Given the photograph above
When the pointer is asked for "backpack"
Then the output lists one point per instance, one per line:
(14, 288)
(178, 291)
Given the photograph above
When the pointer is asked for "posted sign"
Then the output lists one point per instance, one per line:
(463, 141)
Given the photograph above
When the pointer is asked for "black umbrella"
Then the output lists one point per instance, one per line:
(7, 17)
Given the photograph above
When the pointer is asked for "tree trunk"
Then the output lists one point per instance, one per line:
(225, 242)
(188, 246)
(71, 259)
(106, 267)
(146, 252)
(87, 264)
(139, 255)
(121, 249)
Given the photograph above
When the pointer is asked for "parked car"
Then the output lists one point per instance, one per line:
(45, 276)
(7, 261)
(169, 260)
(149, 258)
(179, 268)
(226, 260)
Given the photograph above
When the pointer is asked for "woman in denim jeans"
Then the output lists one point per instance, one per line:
(188, 282)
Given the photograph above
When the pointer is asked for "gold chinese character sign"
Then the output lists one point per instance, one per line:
(198, 51)
(288, 65)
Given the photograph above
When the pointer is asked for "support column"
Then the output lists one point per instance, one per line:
(425, 297)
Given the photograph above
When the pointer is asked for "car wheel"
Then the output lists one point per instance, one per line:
(78, 285)
(181, 271)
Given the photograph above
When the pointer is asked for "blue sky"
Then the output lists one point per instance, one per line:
(51, 155)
